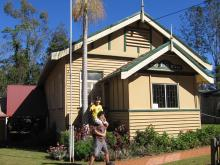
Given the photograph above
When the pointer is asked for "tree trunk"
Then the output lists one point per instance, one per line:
(84, 69)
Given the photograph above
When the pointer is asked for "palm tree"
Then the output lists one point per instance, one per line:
(86, 10)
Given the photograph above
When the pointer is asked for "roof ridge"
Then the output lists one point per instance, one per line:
(146, 55)
(108, 26)
(182, 42)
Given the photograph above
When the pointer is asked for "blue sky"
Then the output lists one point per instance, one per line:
(58, 11)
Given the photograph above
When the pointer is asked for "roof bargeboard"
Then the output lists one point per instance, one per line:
(145, 59)
(125, 22)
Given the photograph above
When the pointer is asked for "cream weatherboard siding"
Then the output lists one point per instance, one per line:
(140, 92)
(171, 122)
(54, 89)
(95, 63)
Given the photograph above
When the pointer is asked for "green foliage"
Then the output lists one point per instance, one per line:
(64, 138)
(186, 141)
(111, 139)
(149, 141)
(145, 142)
(83, 149)
(59, 40)
(200, 29)
(23, 45)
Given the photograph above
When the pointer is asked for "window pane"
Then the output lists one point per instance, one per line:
(171, 93)
(159, 95)
(94, 76)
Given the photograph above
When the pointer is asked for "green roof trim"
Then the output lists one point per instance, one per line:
(99, 31)
(133, 15)
(143, 57)
(193, 60)
(168, 31)
(136, 61)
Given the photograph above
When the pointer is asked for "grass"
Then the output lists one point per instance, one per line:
(202, 160)
(217, 126)
(9, 156)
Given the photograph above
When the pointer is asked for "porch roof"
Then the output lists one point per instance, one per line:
(140, 62)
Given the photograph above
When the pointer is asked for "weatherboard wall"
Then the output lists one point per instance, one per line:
(95, 63)
(131, 41)
(54, 89)
(169, 121)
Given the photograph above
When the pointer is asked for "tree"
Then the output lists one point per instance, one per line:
(59, 40)
(201, 29)
(25, 43)
(86, 10)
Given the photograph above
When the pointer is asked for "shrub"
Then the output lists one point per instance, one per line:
(186, 141)
(64, 138)
(111, 140)
(83, 149)
(164, 143)
(58, 152)
(146, 137)
(119, 142)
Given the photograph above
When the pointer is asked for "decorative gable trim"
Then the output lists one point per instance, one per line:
(147, 58)
(122, 24)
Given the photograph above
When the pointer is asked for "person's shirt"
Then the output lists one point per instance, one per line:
(101, 129)
(95, 109)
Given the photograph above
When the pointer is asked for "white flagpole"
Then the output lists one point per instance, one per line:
(171, 37)
(71, 131)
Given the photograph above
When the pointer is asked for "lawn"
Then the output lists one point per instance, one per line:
(10, 156)
(217, 126)
(203, 160)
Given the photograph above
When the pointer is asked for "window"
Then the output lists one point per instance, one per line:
(165, 96)
(93, 78)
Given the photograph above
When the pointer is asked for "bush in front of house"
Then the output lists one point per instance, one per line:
(145, 142)
(83, 149)
(64, 138)
(150, 142)
(58, 152)
(186, 141)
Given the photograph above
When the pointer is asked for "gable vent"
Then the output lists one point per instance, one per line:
(138, 37)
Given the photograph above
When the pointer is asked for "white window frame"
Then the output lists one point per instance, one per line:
(88, 81)
(165, 108)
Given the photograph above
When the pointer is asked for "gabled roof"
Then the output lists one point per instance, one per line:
(125, 22)
(143, 60)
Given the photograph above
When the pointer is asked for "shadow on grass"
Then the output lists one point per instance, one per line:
(19, 156)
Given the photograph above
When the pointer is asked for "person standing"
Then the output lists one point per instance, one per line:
(99, 137)
(95, 109)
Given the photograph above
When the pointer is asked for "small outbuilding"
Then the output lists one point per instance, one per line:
(210, 106)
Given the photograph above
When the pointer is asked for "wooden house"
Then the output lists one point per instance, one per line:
(145, 76)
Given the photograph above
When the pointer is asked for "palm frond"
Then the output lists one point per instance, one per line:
(94, 9)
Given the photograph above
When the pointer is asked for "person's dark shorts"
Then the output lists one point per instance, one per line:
(100, 145)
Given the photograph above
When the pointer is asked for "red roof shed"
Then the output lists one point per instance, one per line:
(16, 95)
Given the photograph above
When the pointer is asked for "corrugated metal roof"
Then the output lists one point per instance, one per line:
(16, 94)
